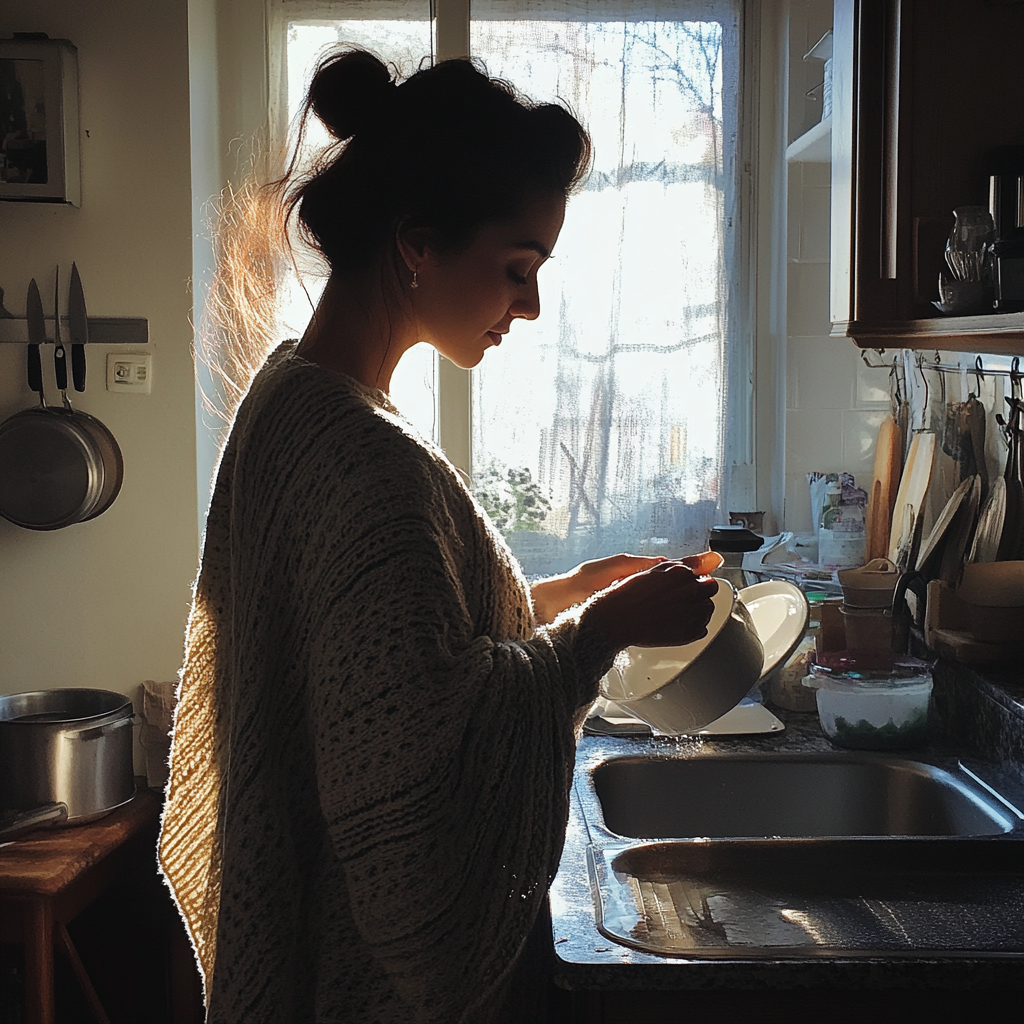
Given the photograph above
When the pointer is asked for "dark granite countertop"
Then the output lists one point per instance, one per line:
(973, 716)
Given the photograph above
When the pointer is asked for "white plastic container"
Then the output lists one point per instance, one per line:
(873, 711)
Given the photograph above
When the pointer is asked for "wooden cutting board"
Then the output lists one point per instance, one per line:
(882, 493)
(913, 487)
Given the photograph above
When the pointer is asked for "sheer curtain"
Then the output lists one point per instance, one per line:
(600, 426)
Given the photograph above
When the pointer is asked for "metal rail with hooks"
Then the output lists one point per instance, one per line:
(978, 368)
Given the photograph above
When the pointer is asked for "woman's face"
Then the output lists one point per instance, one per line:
(465, 302)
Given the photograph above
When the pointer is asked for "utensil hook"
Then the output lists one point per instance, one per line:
(979, 372)
(924, 381)
(895, 397)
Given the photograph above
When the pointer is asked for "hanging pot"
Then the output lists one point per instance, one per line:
(58, 466)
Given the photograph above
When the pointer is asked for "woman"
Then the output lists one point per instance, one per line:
(377, 720)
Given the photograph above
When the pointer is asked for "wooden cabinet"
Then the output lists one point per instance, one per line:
(923, 91)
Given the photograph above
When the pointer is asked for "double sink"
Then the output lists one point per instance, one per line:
(803, 855)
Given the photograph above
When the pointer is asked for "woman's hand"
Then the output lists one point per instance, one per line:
(664, 606)
(553, 595)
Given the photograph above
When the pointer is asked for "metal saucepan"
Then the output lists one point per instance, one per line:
(58, 466)
(65, 757)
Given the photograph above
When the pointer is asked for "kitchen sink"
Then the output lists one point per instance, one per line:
(802, 855)
(794, 796)
(722, 899)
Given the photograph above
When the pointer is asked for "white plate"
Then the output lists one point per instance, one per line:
(779, 610)
(748, 718)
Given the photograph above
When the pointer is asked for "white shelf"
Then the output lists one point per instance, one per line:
(814, 146)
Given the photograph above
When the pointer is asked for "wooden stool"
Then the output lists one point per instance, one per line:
(48, 878)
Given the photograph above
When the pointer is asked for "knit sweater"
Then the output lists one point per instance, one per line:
(373, 748)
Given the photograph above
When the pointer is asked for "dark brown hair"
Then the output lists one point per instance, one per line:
(447, 150)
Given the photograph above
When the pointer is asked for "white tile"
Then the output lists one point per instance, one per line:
(814, 441)
(872, 385)
(798, 504)
(822, 370)
(817, 175)
(794, 213)
(807, 298)
(815, 225)
(860, 433)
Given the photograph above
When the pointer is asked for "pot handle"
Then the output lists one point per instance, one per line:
(44, 816)
(108, 727)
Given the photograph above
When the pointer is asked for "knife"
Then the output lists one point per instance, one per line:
(60, 362)
(79, 323)
(36, 337)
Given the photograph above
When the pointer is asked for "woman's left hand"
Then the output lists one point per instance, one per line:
(553, 595)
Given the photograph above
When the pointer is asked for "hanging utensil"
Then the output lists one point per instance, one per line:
(36, 337)
(60, 362)
(1010, 537)
(78, 321)
(58, 466)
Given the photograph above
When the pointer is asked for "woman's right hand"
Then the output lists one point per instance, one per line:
(665, 606)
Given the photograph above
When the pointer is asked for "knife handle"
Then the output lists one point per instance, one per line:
(35, 370)
(78, 366)
(60, 366)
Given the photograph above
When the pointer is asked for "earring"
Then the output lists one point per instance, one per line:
(415, 279)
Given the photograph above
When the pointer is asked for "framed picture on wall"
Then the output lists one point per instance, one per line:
(39, 144)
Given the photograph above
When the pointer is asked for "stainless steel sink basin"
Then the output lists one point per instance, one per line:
(792, 795)
(913, 898)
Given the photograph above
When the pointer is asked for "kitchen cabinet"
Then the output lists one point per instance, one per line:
(923, 92)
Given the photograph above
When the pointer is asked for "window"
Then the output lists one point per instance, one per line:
(601, 426)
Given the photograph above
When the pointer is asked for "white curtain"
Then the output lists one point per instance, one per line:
(600, 426)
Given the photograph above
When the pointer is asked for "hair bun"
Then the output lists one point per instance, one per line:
(350, 92)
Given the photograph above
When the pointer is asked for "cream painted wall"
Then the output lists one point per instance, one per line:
(104, 603)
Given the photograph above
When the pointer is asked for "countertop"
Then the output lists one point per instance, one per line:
(587, 960)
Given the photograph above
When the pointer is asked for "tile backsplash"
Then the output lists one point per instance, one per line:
(834, 402)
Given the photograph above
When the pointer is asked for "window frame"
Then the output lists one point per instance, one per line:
(755, 374)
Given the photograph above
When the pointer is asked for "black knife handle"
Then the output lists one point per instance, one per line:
(35, 370)
(60, 366)
(78, 366)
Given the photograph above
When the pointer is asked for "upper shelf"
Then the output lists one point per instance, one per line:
(997, 333)
(814, 146)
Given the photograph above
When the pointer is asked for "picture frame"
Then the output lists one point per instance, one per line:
(40, 160)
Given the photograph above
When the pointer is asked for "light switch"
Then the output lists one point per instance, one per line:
(129, 373)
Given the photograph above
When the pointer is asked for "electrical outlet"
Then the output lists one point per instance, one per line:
(129, 373)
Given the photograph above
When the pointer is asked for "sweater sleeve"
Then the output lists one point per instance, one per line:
(443, 757)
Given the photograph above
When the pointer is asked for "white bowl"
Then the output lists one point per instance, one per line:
(678, 690)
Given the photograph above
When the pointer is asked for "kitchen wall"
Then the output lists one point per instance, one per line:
(104, 603)
(834, 403)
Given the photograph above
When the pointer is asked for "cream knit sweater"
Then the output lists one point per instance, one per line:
(372, 748)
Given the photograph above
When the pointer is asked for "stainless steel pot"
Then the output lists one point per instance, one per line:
(65, 757)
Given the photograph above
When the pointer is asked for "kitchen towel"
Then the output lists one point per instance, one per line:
(158, 710)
